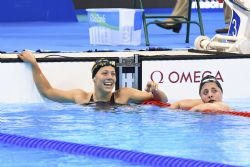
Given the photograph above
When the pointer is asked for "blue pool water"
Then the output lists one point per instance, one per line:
(208, 137)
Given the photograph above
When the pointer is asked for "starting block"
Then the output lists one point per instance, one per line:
(238, 38)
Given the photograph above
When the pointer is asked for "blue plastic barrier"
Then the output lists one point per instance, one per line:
(105, 152)
(37, 10)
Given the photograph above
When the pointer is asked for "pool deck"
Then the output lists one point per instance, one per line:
(74, 36)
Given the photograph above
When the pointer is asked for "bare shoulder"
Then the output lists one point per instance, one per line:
(185, 101)
(190, 101)
(120, 96)
(124, 92)
(81, 96)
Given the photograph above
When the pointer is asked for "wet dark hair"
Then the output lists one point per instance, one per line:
(99, 64)
(207, 79)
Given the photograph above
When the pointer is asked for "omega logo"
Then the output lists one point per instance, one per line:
(183, 77)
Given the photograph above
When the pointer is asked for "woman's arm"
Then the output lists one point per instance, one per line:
(210, 107)
(186, 104)
(158, 94)
(126, 95)
(45, 87)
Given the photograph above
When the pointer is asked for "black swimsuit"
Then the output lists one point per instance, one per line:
(111, 102)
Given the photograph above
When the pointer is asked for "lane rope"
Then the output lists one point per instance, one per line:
(105, 152)
(235, 113)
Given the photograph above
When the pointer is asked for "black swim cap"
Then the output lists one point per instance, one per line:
(99, 64)
(210, 78)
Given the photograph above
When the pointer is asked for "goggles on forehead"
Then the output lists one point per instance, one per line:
(208, 79)
(101, 63)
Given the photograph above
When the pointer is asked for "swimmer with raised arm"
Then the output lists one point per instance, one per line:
(210, 92)
(104, 79)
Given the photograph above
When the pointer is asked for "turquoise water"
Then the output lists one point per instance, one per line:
(149, 129)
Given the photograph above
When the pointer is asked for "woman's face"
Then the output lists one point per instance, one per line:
(211, 93)
(105, 78)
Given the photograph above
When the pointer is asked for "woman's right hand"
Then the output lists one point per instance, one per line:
(27, 56)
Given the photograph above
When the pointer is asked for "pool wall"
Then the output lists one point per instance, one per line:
(175, 72)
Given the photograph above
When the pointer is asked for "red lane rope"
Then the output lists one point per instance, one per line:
(156, 103)
(162, 104)
(236, 113)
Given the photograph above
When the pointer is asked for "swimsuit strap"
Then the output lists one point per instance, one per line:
(112, 99)
(91, 99)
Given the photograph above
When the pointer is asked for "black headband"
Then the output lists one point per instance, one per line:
(210, 78)
(99, 64)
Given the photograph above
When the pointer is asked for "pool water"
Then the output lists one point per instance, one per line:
(20, 157)
(150, 129)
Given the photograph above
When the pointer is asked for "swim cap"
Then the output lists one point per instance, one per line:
(99, 64)
(207, 79)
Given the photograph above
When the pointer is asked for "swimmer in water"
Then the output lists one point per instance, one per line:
(210, 92)
(104, 79)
